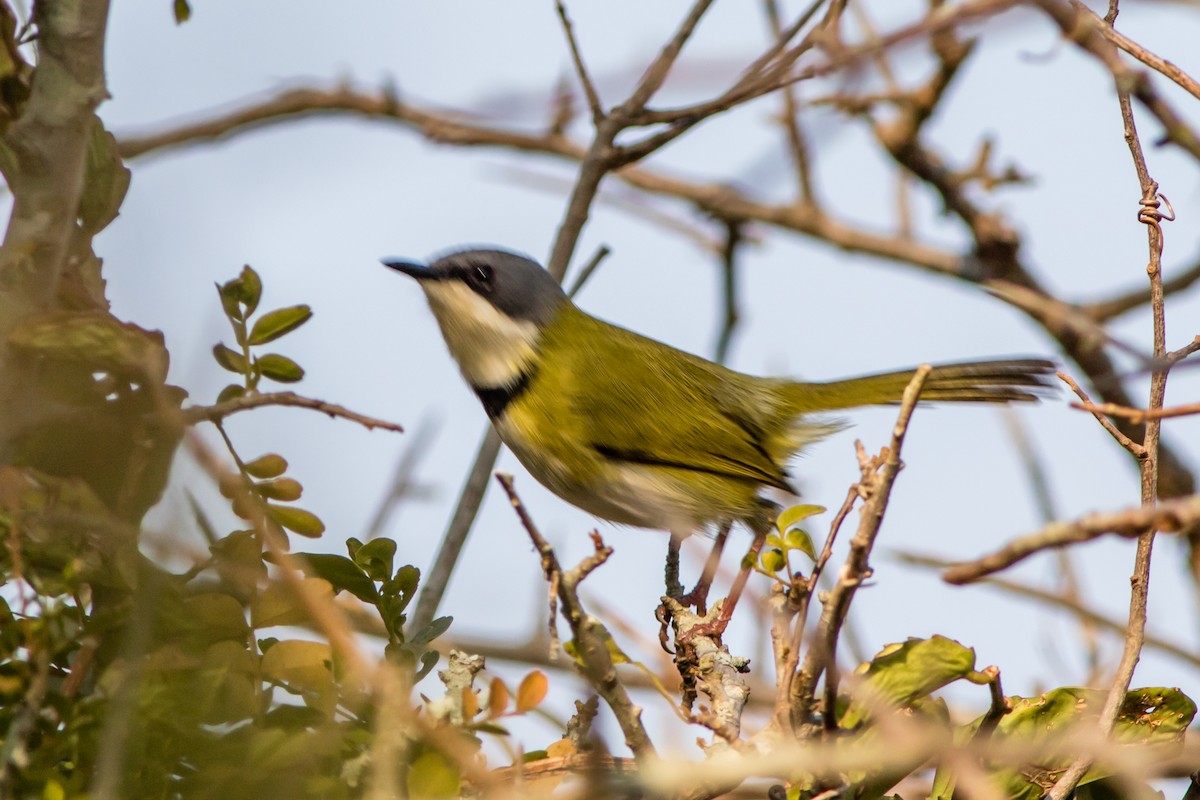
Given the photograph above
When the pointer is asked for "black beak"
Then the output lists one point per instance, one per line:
(410, 268)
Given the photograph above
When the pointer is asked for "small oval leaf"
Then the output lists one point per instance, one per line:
(279, 368)
(230, 359)
(273, 324)
(297, 520)
(773, 560)
(798, 539)
(286, 489)
(532, 691)
(272, 465)
(497, 698)
(231, 392)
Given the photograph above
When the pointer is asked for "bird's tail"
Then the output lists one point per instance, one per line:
(1004, 381)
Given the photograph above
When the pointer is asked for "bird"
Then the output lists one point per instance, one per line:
(640, 433)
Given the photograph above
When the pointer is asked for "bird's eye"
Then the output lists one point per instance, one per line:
(481, 275)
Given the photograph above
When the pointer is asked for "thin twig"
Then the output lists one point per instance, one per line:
(1168, 517)
(729, 320)
(219, 411)
(433, 587)
(879, 474)
(1123, 440)
(585, 80)
(1138, 414)
(1140, 580)
(1066, 601)
(585, 273)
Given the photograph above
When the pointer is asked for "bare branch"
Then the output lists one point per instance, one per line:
(1133, 447)
(585, 80)
(219, 411)
(1169, 516)
(879, 474)
(1161, 65)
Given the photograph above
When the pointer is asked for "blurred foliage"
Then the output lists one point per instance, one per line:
(120, 678)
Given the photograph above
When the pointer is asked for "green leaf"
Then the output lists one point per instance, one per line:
(429, 660)
(216, 616)
(183, 12)
(903, 673)
(430, 632)
(231, 392)
(375, 557)
(773, 561)
(272, 465)
(279, 604)
(404, 584)
(791, 516)
(95, 339)
(286, 489)
(279, 368)
(297, 520)
(432, 775)
(230, 359)
(105, 181)
(341, 572)
(273, 324)
(304, 668)
(798, 539)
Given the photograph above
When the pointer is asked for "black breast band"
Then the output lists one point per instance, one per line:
(495, 399)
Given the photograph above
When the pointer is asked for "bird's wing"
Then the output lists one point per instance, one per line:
(662, 407)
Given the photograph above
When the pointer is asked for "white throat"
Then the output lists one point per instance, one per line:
(491, 349)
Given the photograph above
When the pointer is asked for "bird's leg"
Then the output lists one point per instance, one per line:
(674, 589)
(698, 596)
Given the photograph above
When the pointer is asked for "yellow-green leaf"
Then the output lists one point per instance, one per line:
(432, 776)
(297, 520)
(183, 12)
(286, 489)
(279, 604)
(229, 359)
(798, 539)
(273, 324)
(791, 516)
(272, 465)
(773, 561)
(279, 368)
(303, 667)
(218, 616)
(94, 338)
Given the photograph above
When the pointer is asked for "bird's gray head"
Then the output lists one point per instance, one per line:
(516, 286)
(491, 306)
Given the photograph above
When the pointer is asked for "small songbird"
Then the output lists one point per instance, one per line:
(638, 432)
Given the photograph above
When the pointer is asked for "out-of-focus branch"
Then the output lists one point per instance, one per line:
(1187, 82)
(1065, 601)
(1104, 310)
(45, 149)
(1169, 516)
(1139, 414)
(1085, 30)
